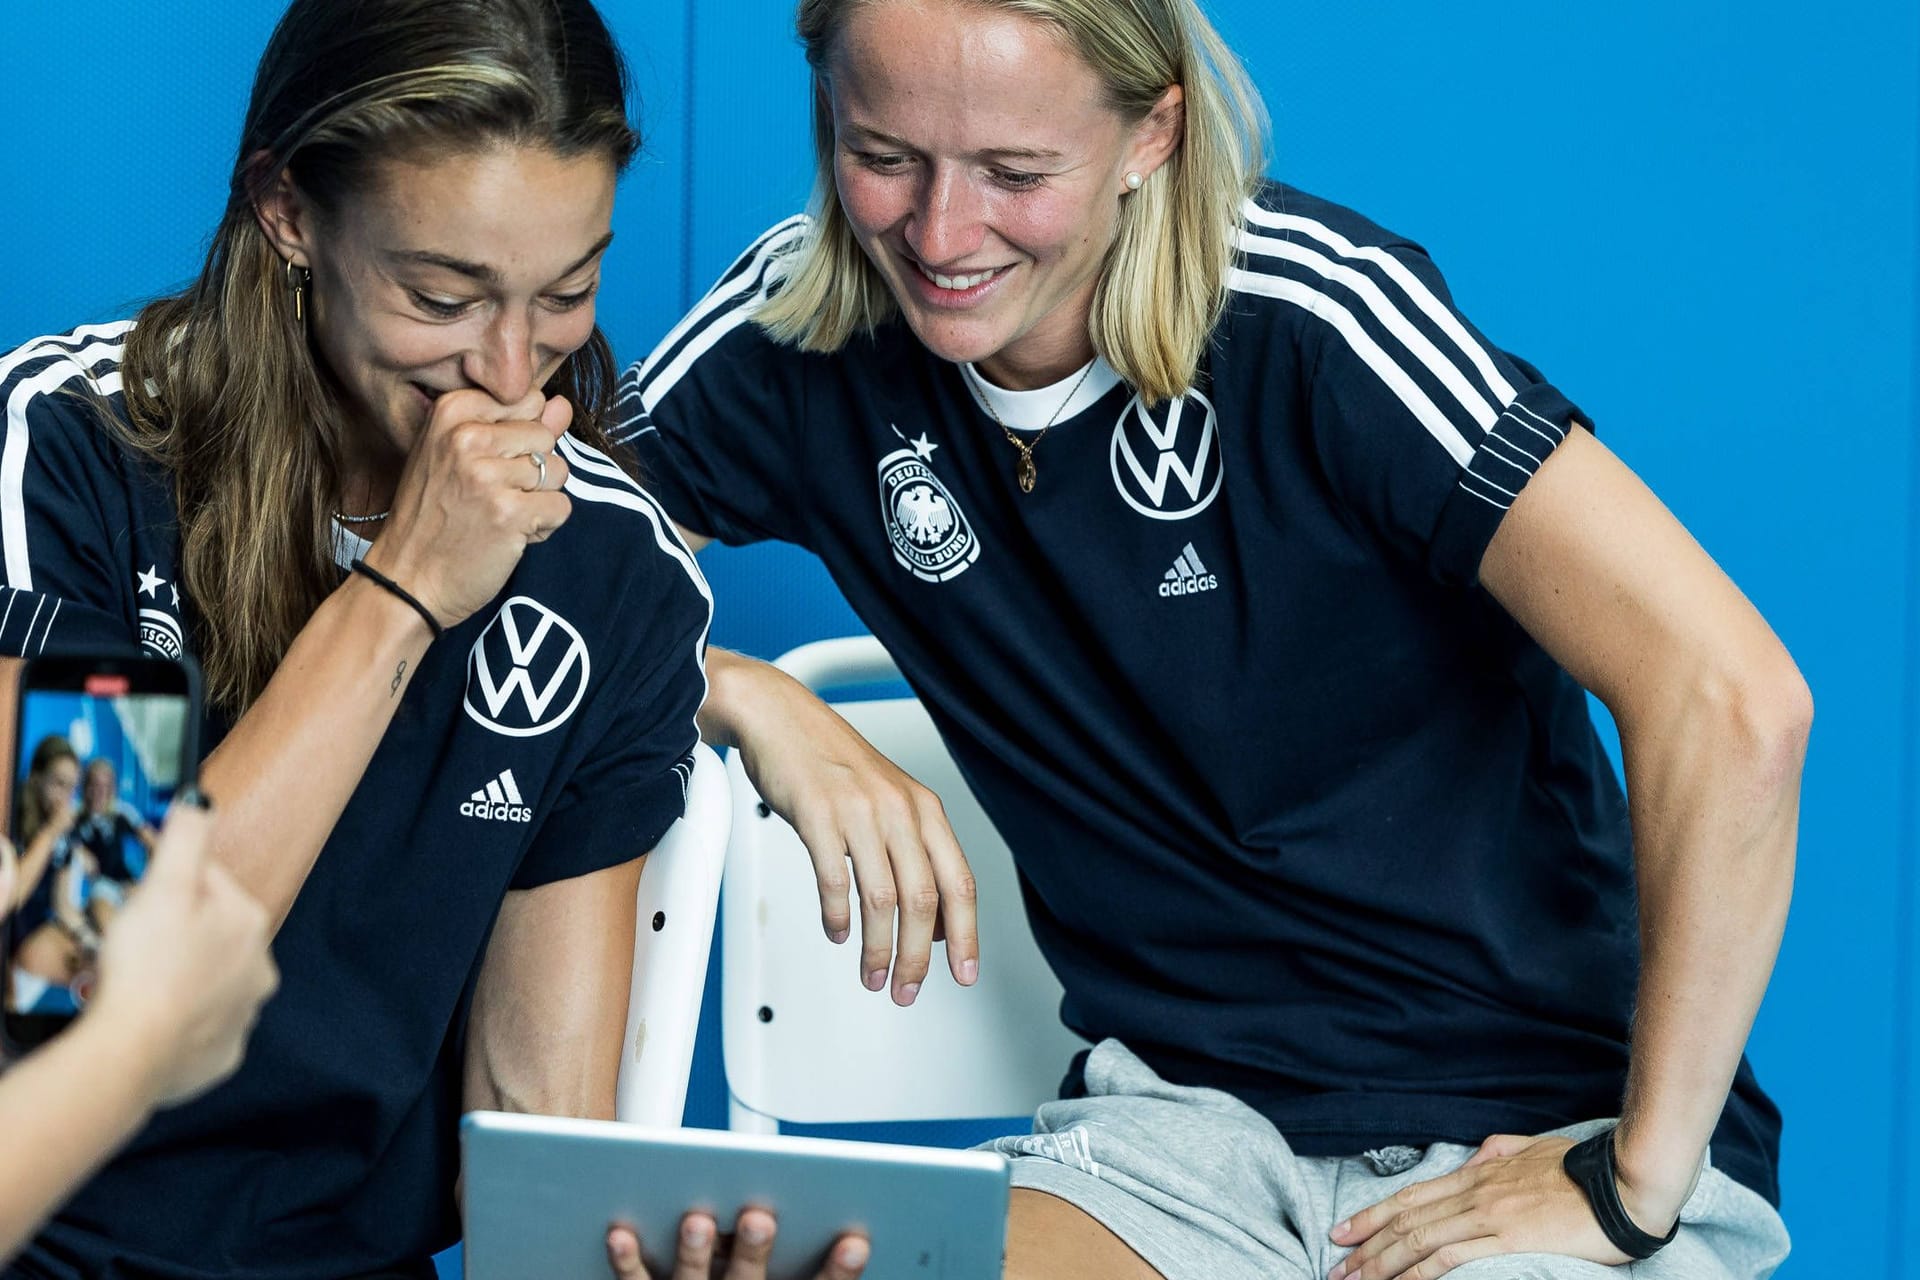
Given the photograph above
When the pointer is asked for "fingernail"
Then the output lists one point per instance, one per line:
(969, 972)
(876, 979)
(853, 1253)
(838, 936)
(1342, 1229)
(909, 993)
(755, 1232)
(624, 1251)
(696, 1233)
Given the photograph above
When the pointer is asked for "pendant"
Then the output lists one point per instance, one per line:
(1027, 473)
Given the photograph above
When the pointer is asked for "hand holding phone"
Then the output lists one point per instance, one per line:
(139, 927)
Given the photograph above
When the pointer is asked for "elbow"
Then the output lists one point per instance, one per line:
(1779, 721)
(1761, 713)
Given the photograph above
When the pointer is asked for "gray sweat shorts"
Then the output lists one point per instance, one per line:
(1203, 1187)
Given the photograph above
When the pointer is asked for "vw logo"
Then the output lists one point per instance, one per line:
(527, 672)
(1147, 454)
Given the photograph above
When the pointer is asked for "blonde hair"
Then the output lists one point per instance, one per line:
(1164, 283)
(222, 388)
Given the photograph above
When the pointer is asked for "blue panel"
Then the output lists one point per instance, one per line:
(117, 162)
(1904, 1132)
(644, 286)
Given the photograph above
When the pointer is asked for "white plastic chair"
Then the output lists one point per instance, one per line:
(803, 1041)
(673, 936)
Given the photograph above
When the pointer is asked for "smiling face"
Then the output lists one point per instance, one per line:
(471, 270)
(983, 172)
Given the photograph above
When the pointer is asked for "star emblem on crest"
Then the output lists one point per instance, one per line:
(923, 446)
(151, 582)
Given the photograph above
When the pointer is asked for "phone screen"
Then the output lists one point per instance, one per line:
(101, 749)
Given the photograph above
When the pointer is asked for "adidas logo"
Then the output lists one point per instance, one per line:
(499, 801)
(1188, 576)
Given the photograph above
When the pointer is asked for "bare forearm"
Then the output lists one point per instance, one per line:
(285, 773)
(550, 1009)
(1715, 788)
(65, 1110)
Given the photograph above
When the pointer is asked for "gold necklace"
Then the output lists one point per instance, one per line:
(1025, 472)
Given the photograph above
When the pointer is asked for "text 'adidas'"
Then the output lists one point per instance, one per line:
(498, 801)
(1188, 576)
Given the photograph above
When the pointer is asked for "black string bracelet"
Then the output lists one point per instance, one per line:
(367, 570)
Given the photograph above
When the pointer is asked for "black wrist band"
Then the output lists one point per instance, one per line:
(1591, 1166)
(366, 570)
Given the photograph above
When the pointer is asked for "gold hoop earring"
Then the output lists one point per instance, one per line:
(298, 278)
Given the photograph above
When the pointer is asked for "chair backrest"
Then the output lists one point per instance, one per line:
(803, 1041)
(673, 934)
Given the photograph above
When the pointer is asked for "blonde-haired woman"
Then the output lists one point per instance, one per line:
(453, 652)
(1254, 591)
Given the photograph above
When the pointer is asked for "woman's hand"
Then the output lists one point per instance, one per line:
(1513, 1196)
(698, 1257)
(849, 803)
(185, 968)
(60, 820)
(481, 484)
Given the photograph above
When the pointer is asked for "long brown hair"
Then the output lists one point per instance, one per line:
(221, 385)
(51, 750)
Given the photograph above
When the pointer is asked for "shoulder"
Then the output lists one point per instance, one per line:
(59, 388)
(721, 316)
(1305, 254)
(620, 535)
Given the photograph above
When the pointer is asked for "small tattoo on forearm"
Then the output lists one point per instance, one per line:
(399, 674)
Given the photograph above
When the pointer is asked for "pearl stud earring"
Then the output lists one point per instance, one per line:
(1133, 181)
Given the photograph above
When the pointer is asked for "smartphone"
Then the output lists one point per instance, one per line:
(101, 747)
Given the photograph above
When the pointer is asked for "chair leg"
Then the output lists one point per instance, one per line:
(744, 1119)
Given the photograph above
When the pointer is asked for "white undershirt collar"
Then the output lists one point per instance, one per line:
(348, 546)
(1033, 410)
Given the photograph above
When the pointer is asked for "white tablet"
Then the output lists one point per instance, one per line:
(540, 1193)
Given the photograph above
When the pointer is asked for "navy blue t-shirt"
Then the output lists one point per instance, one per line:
(1299, 811)
(546, 737)
(113, 838)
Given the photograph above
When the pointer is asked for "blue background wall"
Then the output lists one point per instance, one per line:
(1701, 217)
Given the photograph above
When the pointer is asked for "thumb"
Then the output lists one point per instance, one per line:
(180, 856)
(557, 416)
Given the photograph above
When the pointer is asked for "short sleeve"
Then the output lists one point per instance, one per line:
(631, 784)
(1425, 431)
(715, 415)
(65, 509)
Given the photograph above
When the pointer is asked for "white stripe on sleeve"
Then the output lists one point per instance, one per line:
(13, 452)
(1423, 297)
(1389, 315)
(1417, 402)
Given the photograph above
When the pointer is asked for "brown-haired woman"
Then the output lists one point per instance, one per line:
(452, 652)
(43, 951)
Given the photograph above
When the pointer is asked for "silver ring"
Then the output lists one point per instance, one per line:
(540, 461)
